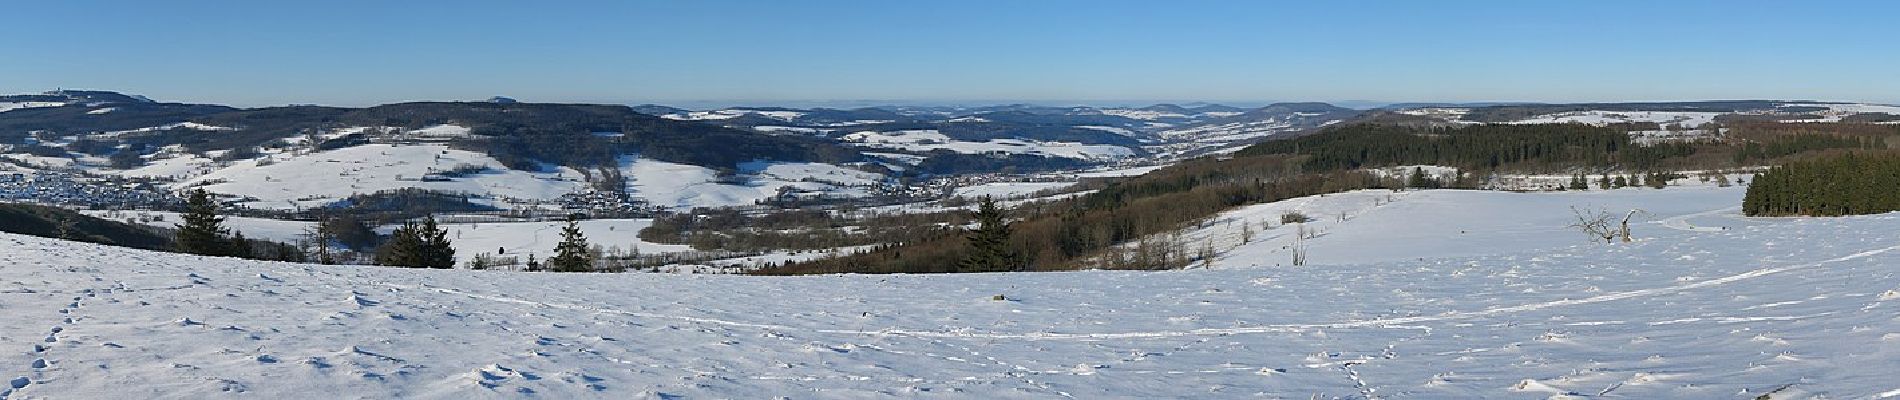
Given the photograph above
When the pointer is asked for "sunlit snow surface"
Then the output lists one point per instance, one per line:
(1690, 310)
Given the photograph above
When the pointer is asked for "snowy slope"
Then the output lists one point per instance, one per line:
(1382, 225)
(930, 139)
(309, 180)
(1683, 118)
(687, 186)
(1807, 304)
(522, 238)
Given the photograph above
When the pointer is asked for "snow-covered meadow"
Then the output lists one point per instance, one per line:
(1706, 304)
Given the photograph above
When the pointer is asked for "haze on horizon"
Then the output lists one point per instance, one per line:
(1123, 52)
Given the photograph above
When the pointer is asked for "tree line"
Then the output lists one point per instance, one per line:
(1848, 183)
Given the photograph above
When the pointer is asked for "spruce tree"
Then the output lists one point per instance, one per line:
(571, 255)
(533, 265)
(203, 230)
(990, 250)
(405, 248)
(1418, 179)
(436, 249)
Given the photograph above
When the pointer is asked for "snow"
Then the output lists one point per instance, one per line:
(1383, 225)
(1791, 306)
(787, 116)
(442, 131)
(685, 186)
(166, 127)
(180, 165)
(102, 111)
(930, 139)
(1008, 190)
(1851, 108)
(10, 105)
(1597, 117)
(290, 181)
(1141, 114)
(518, 239)
(255, 228)
(1110, 129)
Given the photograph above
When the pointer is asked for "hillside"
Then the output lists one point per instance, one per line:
(1798, 306)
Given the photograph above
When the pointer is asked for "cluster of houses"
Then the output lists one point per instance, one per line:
(69, 189)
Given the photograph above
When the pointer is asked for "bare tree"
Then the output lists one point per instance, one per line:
(1602, 224)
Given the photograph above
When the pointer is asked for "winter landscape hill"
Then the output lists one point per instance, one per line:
(1295, 250)
(1432, 294)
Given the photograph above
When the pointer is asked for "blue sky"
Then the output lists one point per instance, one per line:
(367, 52)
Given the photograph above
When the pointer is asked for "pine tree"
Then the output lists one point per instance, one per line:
(1418, 179)
(405, 248)
(990, 249)
(533, 265)
(241, 247)
(436, 252)
(203, 230)
(1604, 183)
(572, 255)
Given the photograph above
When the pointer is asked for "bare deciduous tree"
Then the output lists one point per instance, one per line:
(1602, 224)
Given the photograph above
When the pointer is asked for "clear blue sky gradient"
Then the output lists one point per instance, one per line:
(250, 52)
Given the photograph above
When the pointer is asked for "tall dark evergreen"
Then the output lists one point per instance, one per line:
(571, 255)
(404, 249)
(990, 250)
(437, 252)
(203, 230)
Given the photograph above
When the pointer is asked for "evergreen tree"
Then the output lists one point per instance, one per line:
(533, 265)
(989, 245)
(1418, 179)
(1579, 182)
(572, 255)
(1603, 182)
(404, 249)
(1621, 182)
(241, 247)
(203, 230)
(436, 249)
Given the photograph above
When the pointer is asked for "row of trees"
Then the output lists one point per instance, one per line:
(1843, 184)
(424, 245)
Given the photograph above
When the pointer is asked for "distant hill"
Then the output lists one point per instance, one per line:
(60, 223)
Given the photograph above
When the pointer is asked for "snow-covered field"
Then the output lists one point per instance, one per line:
(930, 139)
(319, 178)
(685, 186)
(1706, 304)
(519, 239)
(1683, 118)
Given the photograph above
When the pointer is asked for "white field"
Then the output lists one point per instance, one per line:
(687, 186)
(10, 106)
(292, 181)
(1684, 118)
(519, 239)
(1690, 310)
(930, 139)
(1008, 190)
